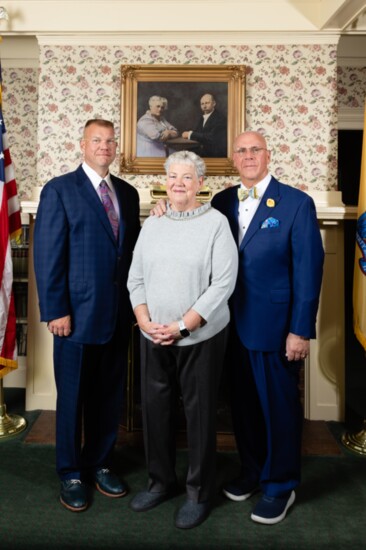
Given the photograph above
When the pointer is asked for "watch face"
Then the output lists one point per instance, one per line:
(184, 332)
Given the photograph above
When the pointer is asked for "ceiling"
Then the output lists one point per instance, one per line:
(344, 16)
(358, 23)
(30, 17)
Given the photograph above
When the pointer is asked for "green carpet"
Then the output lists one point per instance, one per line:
(329, 512)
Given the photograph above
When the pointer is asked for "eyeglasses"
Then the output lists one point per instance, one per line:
(251, 151)
(97, 141)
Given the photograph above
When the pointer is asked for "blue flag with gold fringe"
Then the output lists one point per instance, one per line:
(359, 278)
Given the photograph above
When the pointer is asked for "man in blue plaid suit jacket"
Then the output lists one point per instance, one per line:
(81, 272)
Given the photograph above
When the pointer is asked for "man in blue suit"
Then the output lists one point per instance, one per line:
(86, 228)
(274, 309)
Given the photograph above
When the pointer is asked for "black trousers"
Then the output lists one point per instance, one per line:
(195, 370)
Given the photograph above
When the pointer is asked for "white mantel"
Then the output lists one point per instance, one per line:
(329, 205)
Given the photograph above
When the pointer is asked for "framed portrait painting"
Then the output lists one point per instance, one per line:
(167, 108)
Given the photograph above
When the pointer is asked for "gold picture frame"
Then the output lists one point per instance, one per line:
(185, 85)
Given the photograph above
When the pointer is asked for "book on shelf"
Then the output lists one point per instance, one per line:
(25, 234)
(21, 299)
(19, 252)
(20, 261)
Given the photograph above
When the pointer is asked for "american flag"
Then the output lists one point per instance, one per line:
(10, 230)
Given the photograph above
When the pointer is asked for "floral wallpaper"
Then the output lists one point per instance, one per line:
(291, 97)
(20, 110)
(351, 87)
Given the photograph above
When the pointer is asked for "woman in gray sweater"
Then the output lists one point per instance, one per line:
(183, 272)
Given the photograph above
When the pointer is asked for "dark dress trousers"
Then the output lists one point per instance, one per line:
(81, 271)
(277, 292)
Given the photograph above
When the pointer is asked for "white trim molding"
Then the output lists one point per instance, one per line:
(351, 119)
(188, 37)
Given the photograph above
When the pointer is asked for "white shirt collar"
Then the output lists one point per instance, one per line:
(262, 185)
(95, 178)
(207, 115)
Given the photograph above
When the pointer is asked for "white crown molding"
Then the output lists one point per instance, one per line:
(351, 61)
(58, 16)
(352, 51)
(19, 52)
(183, 38)
(21, 63)
(70, 16)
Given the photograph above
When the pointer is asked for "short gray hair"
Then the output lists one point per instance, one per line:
(186, 157)
(157, 99)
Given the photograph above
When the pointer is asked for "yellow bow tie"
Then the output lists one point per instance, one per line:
(245, 193)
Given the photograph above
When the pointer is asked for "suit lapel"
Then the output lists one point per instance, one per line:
(263, 211)
(122, 210)
(232, 211)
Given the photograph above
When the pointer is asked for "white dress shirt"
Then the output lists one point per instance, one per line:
(248, 208)
(206, 116)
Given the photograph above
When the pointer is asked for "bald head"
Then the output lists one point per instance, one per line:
(207, 103)
(251, 157)
(250, 135)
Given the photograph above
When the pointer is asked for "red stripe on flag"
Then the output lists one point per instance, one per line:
(15, 224)
(8, 352)
(4, 231)
(11, 188)
(10, 227)
(9, 345)
(7, 158)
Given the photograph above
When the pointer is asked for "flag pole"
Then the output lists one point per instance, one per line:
(356, 442)
(12, 424)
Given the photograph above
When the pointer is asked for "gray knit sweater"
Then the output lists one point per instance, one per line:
(185, 260)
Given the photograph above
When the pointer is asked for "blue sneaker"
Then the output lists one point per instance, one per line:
(240, 489)
(271, 510)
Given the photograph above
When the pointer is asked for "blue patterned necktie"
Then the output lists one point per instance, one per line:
(108, 207)
(245, 193)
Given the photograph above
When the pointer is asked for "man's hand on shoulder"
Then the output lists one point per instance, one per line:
(159, 209)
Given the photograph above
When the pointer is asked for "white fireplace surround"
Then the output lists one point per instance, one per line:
(324, 370)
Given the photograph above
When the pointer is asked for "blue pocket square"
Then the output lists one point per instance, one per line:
(270, 222)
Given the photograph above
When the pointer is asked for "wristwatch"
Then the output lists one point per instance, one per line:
(184, 332)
